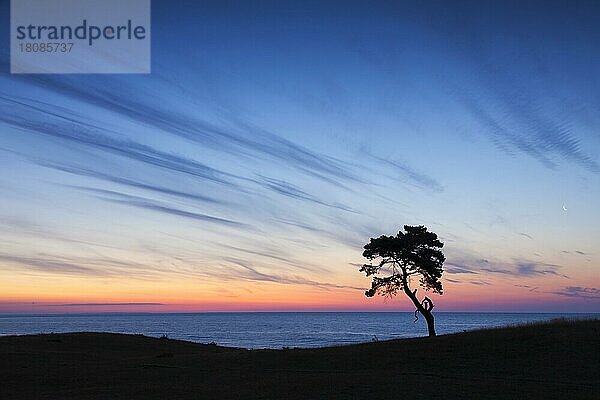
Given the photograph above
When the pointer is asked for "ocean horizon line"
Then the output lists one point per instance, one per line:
(31, 314)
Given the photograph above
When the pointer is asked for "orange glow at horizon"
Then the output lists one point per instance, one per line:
(47, 292)
(60, 296)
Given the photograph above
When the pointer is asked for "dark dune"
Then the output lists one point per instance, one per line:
(556, 360)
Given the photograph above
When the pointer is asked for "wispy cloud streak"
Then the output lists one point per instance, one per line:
(527, 269)
(287, 189)
(148, 204)
(34, 119)
(53, 266)
(248, 139)
(248, 272)
(82, 171)
(410, 175)
(105, 304)
(588, 293)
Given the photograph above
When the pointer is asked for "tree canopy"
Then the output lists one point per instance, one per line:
(415, 251)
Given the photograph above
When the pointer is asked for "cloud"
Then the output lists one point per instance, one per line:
(106, 304)
(532, 268)
(518, 105)
(82, 266)
(543, 138)
(82, 171)
(246, 271)
(53, 266)
(323, 167)
(476, 283)
(26, 227)
(529, 288)
(454, 268)
(34, 119)
(465, 263)
(513, 120)
(93, 266)
(408, 174)
(587, 293)
(527, 269)
(277, 255)
(148, 204)
(247, 139)
(348, 239)
(287, 189)
(47, 120)
(181, 213)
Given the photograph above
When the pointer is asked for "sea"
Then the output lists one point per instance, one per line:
(273, 330)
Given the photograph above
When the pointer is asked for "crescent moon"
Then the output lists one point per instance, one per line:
(564, 208)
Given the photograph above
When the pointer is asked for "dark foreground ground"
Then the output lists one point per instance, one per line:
(558, 360)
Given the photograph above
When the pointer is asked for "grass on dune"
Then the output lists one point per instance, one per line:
(558, 359)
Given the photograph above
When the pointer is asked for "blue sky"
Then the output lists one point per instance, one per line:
(272, 140)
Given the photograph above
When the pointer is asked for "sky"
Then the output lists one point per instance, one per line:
(273, 139)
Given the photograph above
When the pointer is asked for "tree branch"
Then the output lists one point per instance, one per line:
(426, 303)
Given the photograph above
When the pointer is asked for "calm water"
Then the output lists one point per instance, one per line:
(268, 330)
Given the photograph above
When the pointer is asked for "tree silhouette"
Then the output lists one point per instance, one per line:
(412, 252)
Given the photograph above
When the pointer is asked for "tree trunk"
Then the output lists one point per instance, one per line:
(430, 324)
(426, 312)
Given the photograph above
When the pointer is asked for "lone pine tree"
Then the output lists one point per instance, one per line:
(414, 252)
